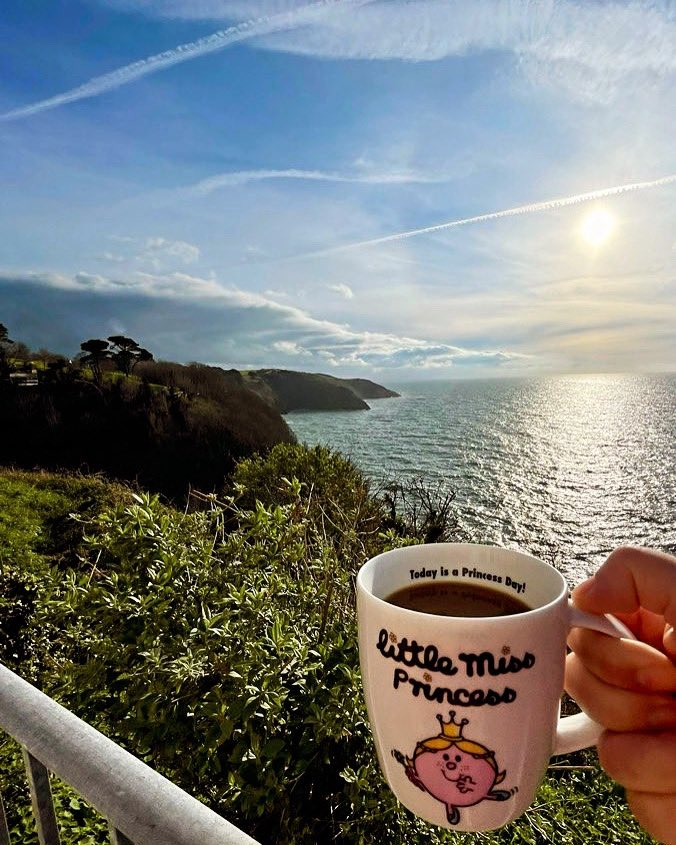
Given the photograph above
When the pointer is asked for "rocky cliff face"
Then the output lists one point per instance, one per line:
(288, 391)
(369, 389)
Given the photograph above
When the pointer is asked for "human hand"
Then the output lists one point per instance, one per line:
(630, 686)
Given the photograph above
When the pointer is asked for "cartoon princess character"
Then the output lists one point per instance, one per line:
(456, 771)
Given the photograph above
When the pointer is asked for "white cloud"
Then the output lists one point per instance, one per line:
(160, 249)
(184, 52)
(160, 253)
(258, 329)
(288, 347)
(368, 177)
(344, 290)
(591, 51)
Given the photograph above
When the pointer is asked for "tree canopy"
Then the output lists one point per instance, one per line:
(124, 352)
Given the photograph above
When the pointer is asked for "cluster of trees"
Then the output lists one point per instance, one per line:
(16, 355)
(118, 352)
(124, 352)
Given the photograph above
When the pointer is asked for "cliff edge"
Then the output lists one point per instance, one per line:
(288, 390)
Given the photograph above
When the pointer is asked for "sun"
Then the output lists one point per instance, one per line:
(597, 226)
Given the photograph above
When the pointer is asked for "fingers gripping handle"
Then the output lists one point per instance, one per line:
(579, 731)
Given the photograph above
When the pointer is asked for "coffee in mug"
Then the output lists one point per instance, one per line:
(462, 650)
(449, 599)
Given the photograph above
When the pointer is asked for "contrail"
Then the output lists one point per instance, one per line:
(243, 177)
(547, 205)
(208, 44)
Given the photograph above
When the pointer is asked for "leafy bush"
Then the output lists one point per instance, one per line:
(220, 646)
(336, 494)
(41, 526)
(333, 494)
(228, 661)
(41, 530)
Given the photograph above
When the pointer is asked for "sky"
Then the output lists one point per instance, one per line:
(392, 189)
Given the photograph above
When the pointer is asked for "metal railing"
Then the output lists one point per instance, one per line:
(142, 807)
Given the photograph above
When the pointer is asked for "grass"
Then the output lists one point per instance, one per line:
(36, 514)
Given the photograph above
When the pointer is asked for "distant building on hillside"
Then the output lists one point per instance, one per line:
(24, 378)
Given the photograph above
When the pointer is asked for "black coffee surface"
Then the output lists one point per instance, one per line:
(449, 599)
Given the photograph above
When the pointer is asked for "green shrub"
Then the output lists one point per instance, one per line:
(41, 526)
(220, 646)
(333, 494)
(228, 661)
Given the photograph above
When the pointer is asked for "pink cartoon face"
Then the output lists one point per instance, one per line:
(454, 776)
(455, 770)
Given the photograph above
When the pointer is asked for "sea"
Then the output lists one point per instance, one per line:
(566, 468)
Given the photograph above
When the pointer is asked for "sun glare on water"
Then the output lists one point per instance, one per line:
(597, 227)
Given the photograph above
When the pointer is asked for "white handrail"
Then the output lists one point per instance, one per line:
(146, 807)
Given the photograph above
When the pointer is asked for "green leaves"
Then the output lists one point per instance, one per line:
(221, 647)
(231, 655)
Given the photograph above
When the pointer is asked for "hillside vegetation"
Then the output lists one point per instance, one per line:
(167, 427)
(288, 390)
(219, 644)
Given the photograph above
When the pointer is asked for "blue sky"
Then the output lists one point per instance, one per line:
(209, 177)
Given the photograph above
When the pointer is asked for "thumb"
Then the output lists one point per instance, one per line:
(631, 579)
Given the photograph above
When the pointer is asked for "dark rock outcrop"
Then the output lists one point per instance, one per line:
(369, 389)
(288, 390)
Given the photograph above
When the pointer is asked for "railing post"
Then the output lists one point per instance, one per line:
(4, 830)
(41, 798)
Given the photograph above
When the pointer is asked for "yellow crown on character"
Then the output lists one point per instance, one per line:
(451, 730)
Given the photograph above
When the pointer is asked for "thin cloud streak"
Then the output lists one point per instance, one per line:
(242, 177)
(547, 205)
(184, 52)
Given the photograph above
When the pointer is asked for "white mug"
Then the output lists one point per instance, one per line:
(465, 712)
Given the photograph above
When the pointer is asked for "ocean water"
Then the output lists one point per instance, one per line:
(566, 468)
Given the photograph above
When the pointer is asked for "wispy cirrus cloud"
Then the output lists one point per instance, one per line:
(156, 251)
(243, 177)
(343, 290)
(299, 16)
(589, 50)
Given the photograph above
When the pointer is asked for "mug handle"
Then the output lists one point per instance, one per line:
(579, 731)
